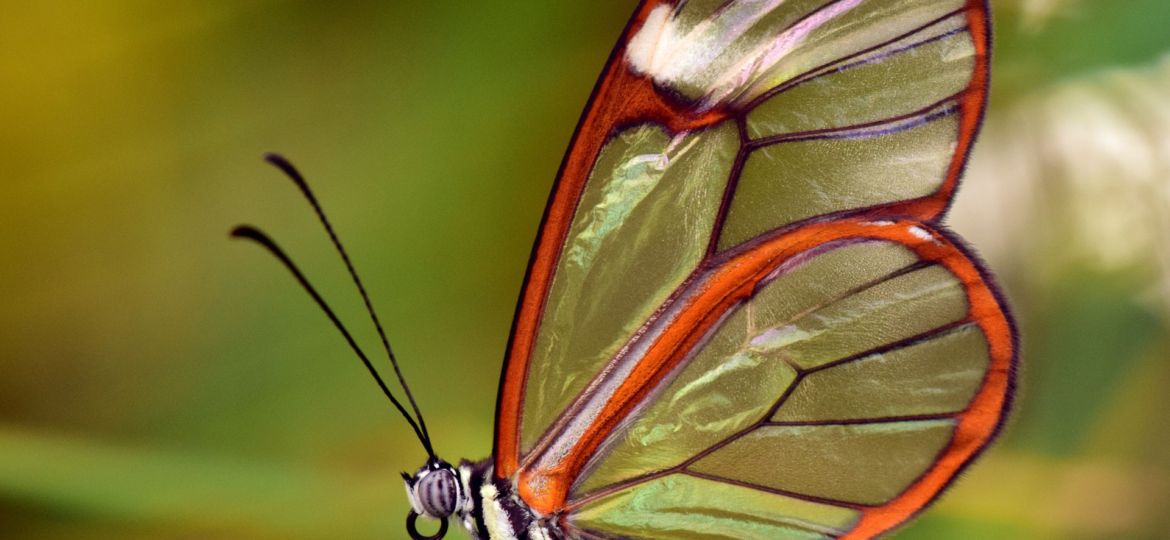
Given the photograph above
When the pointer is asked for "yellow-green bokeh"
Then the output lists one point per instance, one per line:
(160, 381)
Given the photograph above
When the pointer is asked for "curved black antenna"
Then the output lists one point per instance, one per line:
(287, 168)
(249, 232)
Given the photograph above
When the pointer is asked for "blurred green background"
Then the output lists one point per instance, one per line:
(159, 381)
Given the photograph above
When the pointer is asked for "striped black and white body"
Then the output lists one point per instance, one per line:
(485, 506)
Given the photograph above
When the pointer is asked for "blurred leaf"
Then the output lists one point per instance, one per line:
(86, 482)
(1093, 334)
(1076, 38)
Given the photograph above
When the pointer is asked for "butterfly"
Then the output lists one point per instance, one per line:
(742, 317)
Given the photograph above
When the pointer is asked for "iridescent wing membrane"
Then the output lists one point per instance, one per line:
(741, 319)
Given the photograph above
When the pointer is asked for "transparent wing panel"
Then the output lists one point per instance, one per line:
(850, 27)
(862, 464)
(909, 77)
(938, 375)
(682, 506)
(641, 227)
(797, 179)
(735, 379)
(899, 307)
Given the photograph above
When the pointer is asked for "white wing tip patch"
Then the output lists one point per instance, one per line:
(914, 230)
(718, 59)
(644, 43)
(922, 234)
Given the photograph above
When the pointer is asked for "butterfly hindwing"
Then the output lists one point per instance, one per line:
(843, 387)
(739, 263)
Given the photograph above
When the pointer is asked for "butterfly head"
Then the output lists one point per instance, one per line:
(434, 491)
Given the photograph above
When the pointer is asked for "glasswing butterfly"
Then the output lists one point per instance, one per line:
(742, 317)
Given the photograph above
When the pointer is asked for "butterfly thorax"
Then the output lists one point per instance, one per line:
(486, 506)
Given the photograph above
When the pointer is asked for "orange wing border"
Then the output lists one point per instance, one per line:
(984, 418)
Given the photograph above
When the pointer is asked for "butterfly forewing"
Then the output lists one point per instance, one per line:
(737, 289)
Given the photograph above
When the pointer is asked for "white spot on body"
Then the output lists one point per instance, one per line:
(536, 532)
(465, 502)
(494, 515)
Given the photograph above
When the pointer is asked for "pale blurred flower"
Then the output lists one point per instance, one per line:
(1077, 172)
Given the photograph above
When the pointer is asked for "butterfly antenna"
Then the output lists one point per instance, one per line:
(248, 232)
(293, 174)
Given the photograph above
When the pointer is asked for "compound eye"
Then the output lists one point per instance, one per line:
(437, 493)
